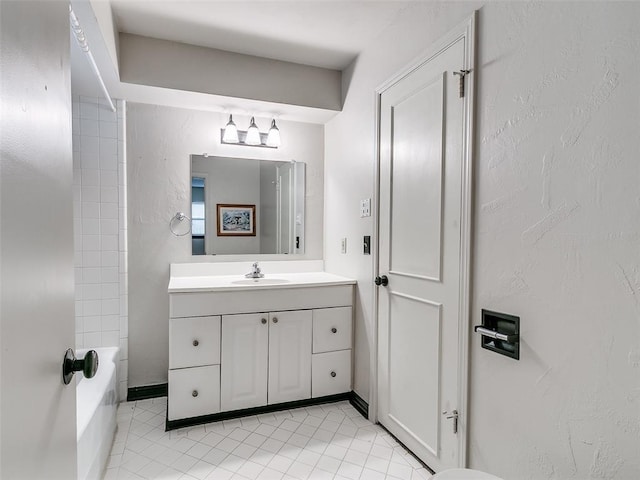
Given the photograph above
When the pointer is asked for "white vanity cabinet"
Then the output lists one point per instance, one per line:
(241, 347)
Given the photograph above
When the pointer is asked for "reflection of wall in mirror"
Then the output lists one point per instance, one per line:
(229, 181)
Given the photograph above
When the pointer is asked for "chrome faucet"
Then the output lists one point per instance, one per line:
(255, 272)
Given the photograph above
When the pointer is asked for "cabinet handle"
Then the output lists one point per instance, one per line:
(194, 393)
(264, 320)
(334, 330)
(275, 319)
(196, 343)
(333, 374)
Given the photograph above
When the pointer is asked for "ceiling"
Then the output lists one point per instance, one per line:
(321, 33)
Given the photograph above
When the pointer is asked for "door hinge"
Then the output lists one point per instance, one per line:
(463, 74)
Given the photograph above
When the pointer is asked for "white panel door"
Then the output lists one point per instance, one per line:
(37, 411)
(244, 361)
(290, 356)
(420, 311)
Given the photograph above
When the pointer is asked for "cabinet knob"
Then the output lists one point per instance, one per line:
(194, 393)
(333, 374)
(275, 319)
(334, 330)
(264, 320)
(196, 343)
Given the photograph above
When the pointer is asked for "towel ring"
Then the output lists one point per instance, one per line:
(180, 217)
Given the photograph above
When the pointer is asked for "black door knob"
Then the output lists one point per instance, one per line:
(382, 280)
(88, 365)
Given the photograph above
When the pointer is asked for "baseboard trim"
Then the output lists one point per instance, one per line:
(359, 404)
(147, 391)
(216, 417)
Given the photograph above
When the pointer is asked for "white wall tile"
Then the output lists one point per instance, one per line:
(109, 178)
(90, 177)
(92, 292)
(90, 226)
(108, 129)
(110, 323)
(91, 242)
(98, 249)
(110, 307)
(106, 115)
(109, 259)
(90, 210)
(108, 210)
(88, 110)
(108, 146)
(88, 127)
(91, 275)
(91, 259)
(109, 242)
(90, 194)
(124, 349)
(109, 194)
(109, 274)
(89, 148)
(92, 323)
(124, 327)
(109, 226)
(108, 162)
(92, 339)
(109, 290)
(110, 339)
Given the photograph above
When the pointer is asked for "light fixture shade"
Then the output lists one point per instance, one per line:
(273, 139)
(230, 132)
(253, 134)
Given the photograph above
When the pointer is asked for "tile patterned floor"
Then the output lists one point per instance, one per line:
(324, 442)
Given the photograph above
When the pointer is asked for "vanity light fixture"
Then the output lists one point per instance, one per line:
(252, 137)
(273, 138)
(230, 132)
(253, 134)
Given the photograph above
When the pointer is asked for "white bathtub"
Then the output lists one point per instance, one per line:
(97, 402)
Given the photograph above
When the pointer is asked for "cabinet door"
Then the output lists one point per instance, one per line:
(244, 361)
(289, 356)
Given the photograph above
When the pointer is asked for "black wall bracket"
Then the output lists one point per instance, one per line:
(500, 333)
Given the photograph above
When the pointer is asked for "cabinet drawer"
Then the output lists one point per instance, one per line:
(193, 392)
(194, 341)
(330, 373)
(331, 329)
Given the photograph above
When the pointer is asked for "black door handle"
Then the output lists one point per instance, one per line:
(70, 365)
(382, 280)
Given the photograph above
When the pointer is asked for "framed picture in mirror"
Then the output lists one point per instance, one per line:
(236, 220)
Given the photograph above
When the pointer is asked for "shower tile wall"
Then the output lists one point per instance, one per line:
(100, 235)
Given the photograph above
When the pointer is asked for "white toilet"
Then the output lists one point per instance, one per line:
(463, 474)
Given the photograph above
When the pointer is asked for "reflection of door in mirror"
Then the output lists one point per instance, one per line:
(197, 215)
(275, 188)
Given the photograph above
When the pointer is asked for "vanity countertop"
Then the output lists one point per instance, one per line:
(211, 283)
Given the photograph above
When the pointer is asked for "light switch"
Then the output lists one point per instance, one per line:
(365, 208)
(343, 245)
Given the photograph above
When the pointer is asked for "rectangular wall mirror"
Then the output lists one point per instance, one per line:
(243, 206)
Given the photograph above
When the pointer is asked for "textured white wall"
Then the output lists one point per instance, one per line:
(159, 143)
(556, 227)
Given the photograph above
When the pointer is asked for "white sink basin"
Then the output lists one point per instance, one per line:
(261, 281)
